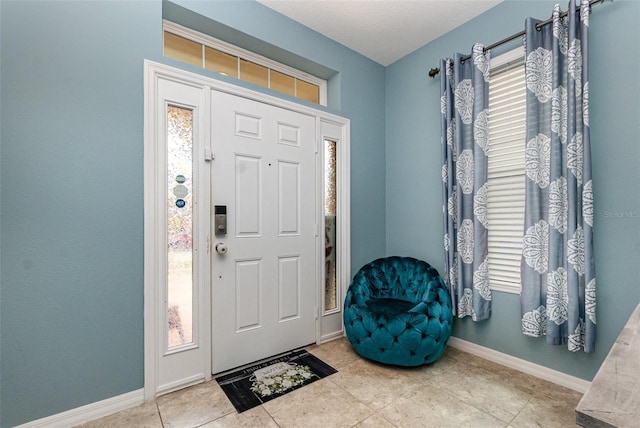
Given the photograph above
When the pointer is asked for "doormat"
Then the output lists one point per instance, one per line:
(254, 385)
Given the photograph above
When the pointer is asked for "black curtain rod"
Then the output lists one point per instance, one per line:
(434, 71)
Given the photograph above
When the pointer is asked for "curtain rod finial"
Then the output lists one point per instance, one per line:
(434, 72)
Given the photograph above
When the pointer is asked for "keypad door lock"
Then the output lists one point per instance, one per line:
(220, 220)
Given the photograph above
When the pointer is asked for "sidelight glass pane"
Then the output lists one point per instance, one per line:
(179, 226)
(182, 49)
(330, 286)
(254, 73)
(221, 62)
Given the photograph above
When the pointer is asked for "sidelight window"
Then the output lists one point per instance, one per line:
(179, 226)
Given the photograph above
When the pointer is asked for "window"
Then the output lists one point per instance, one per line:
(506, 175)
(330, 199)
(183, 44)
(179, 226)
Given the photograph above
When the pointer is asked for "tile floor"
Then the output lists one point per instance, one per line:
(365, 394)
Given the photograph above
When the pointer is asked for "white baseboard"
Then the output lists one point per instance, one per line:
(524, 366)
(89, 412)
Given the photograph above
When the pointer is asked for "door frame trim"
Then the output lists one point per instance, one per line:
(154, 71)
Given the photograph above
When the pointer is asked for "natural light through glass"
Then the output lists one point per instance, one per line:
(330, 292)
(179, 226)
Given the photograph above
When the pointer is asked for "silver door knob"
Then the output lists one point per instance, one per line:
(221, 248)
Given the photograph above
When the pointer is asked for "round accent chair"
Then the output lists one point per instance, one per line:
(398, 311)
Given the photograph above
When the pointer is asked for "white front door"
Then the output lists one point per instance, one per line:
(264, 286)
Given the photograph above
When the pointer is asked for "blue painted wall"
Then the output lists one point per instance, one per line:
(71, 199)
(414, 207)
(71, 219)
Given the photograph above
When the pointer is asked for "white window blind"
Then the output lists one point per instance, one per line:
(506, 170)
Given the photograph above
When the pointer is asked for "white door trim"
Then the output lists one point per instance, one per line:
(152, 73)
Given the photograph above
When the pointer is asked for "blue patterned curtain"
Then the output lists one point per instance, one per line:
(558, 278)
(464, 104)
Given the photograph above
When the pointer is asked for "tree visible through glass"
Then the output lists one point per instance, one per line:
(179, 226)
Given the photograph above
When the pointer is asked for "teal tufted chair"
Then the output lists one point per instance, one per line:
(398, 311)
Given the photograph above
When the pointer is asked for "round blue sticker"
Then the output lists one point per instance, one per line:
(180, 203)
(180, 178)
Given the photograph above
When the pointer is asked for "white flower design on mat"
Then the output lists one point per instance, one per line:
(575, 156)
(560, 30)
(538, 74)
(445, 173)
(443, 104)
(283, 381)
(557, 296)
(465, 305)
(587, 203)
(464, 101)
(585, 104)
(534, 323)
(481, 59)
(535, 247)
(574, 59)
(575, 253)
(559, 113)
(558, 206)
(590, 300)
(447, 242)
(480, 205)
(466, 241)
(481, 281)
(481, 131)
(538, 160)
(464, 171)
(452, 205)
(576, 340)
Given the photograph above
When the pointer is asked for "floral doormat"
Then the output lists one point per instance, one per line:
(251, 386)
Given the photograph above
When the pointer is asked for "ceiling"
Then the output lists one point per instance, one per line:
(382, 30)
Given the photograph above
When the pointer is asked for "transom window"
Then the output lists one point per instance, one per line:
(186, 45)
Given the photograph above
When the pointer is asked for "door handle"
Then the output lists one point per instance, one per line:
(221, 248)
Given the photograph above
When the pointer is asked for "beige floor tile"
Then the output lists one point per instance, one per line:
(252, 418)
(446, 363)
(375, 421)
(194, 406)
(377, 385)
(431, 407)
(541, 388)
(143, 416)
(485, 390)
(546, 413)
(459, 390)
(320, 404)
(337, 353)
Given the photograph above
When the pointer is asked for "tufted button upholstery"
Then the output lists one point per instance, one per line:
(398, 311)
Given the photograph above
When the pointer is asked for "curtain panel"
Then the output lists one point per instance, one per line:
(558, 275)
(464, 138)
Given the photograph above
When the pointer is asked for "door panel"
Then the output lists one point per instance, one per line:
(264, 286)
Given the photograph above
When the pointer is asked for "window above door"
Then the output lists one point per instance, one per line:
(195, 48)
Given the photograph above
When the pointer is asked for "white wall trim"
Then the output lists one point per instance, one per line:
(524, 366)
(89, 412)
